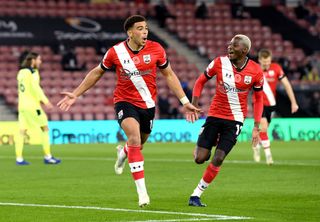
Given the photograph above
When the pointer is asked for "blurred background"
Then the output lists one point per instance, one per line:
(73, 35)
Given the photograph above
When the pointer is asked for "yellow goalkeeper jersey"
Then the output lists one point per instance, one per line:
(29, 90)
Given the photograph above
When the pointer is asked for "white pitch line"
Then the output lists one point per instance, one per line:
(277, 163)
(206, 216)
(173, 220)
(178, 220)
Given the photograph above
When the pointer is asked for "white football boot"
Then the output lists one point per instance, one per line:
(121, 160)
(269, 159)
(144, 200)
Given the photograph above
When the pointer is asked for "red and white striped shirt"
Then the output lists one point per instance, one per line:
(271, 78)
(233, 86)
(136, 72)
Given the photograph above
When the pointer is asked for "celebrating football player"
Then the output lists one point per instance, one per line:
(135, 60)
(235, 75)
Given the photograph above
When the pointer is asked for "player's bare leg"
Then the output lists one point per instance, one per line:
(131, 128)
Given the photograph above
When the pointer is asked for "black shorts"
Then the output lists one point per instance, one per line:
(267, 112)
(226, 130)
(143, 116)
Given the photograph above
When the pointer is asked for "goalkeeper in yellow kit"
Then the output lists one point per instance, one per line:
(31, 114)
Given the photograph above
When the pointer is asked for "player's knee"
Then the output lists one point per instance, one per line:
(201, 155)
(263, 129)
(199, 160)
(134, 140)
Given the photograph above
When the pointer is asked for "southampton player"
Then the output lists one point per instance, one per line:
(272, 74)
(31, 114)
(235, 76)
(135, 61)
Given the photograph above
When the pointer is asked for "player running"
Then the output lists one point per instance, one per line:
(273, 73)
(235, 75)
(136, 61)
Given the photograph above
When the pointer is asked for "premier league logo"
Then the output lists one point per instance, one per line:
(146, 59)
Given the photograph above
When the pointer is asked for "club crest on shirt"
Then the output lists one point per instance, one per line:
(271, 72)
(147, 58)
(247, 79)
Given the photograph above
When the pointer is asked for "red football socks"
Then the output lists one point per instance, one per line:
(136, 161)
(210, 173)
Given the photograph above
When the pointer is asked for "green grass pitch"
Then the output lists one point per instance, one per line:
(84, 187)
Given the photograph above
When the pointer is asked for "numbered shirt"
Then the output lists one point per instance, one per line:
(232, 88)
(29, 90)
(271, 79)
(136, 72)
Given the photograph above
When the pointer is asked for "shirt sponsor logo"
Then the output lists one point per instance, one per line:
(127, 74)
(226, 88)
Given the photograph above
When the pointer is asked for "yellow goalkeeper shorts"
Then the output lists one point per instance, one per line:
(32, 118)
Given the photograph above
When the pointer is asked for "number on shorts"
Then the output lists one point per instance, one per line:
(238, 129)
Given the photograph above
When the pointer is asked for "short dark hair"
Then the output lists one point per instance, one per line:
(129, 23)
(264, 53)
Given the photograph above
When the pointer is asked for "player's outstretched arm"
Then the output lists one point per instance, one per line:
(67, 101)
(290, 93)
(89, 81)
(174, 84)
